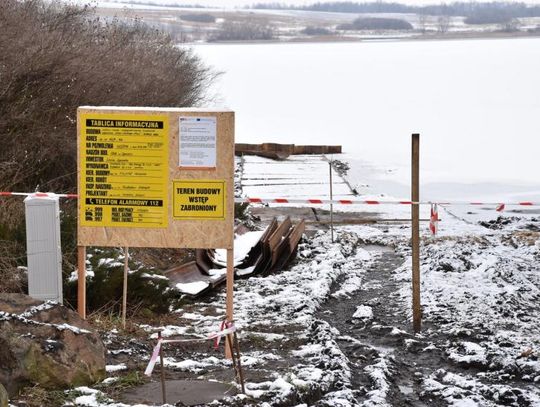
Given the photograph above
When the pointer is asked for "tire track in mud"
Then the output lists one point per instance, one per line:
(386, 361)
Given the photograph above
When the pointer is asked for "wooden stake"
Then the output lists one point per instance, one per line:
(163, 390)
(415, 197)
(240, 373)
(81, 282)
(229, 343)
(331, 205)
(124, 292)
(230, 296)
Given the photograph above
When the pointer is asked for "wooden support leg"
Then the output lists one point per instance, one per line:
(81, 282)
(125, 287)
(229, 344)
(239, 363)
(163, 389)
(230, 296)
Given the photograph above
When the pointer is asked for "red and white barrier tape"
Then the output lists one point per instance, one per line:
(213, 336)
(313, 201)
(375, 202)
(434, 219)
(40, 194)
(225, 325)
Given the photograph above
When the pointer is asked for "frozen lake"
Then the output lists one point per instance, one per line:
(475, 103)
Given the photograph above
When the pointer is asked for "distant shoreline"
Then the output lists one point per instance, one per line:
(345, 39)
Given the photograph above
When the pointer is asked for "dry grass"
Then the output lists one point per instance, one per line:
(12, 278)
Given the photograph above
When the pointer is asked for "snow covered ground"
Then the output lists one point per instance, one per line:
(335, 329)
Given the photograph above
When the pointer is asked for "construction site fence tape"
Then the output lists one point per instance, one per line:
(40, 194)
(376, 202)
(155, 353)
(314, 201)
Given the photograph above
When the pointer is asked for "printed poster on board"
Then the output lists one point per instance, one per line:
(197, 146)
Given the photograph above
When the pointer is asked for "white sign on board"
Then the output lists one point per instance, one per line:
(197, 147)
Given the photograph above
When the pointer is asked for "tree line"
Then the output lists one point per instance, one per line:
(511, 10)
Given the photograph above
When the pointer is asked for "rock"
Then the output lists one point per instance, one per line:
(3, 396)
(46, 344)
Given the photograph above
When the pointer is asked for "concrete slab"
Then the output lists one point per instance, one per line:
(186, 392)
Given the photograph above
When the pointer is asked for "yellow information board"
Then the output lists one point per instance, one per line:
(199, 199)
(124, 160)
(137, 190)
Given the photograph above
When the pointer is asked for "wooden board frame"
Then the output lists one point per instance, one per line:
(178, 233)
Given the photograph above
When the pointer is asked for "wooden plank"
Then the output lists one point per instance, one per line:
(274, 149)
(296, 234)
(256, 251)
(287, 251)
(188, 273)
(278, 234)
(204, 261)
(265, 260)
(280, 253)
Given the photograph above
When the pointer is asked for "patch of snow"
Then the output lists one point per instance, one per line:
(467, 353)
(270, 337)
(127, 351)
(170, 330)
(115, 368)
(245, 272)
(71, 328)
(242, 245)
(216, 274)
(110, 262)
(192, 316)
(363, 312)
(186, 365)
(154, 276)
(38, 308)
(379, 374)
(192, 288)
(349, 286)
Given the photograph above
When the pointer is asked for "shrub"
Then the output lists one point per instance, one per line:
(316, 31)
(146, 289)
(199, 18)
(243, 31)
(57, 57)
(376, 23)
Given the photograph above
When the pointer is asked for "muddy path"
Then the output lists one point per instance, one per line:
(386, 359)
(390, 365)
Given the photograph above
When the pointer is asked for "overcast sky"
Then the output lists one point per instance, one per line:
(241, 3)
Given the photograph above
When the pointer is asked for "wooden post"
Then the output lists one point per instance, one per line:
(415, 209)
(124, 292)
(241, 374)
(331, 204)
(230, 297)
(162, 373)
(81, 281)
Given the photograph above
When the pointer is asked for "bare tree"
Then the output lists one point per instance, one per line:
(511, 25)
(443, 24)
(422, 22)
